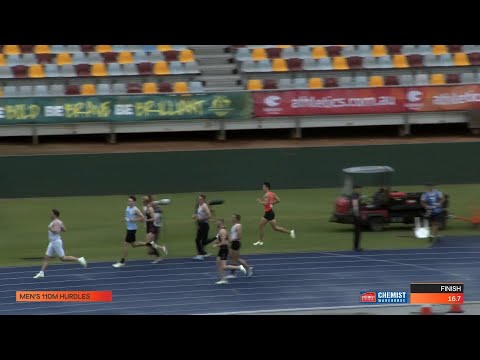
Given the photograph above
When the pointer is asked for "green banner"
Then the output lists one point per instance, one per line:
(126, 108)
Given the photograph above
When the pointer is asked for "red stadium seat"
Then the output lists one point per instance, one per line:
(355, 62)
(330, 82)
(165, 87)
(72, 90)
(110, 57)
(453, 79)
(20, 71)
(26, 49)
(134, 88)
(145, 68)
(394, 49)
(274, 53)
(83, 69)
(455, 48)
(44, 58)
(295, 64)
(391, 80)
(170, 55)
(334, 51)
(474, 58)
(270, 84)
(87, 48)
(415, 60)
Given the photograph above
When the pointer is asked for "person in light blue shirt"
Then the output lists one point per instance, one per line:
(132, 216)
(432, 200)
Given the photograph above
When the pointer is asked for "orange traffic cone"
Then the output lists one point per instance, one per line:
(456, 309)
(426, 310)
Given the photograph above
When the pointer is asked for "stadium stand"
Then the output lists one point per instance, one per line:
(98, 69)
(149, 69)
(317, 66)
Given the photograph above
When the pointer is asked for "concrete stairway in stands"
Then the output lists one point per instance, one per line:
(218, 72)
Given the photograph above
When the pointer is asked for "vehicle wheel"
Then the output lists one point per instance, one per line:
(376, 224)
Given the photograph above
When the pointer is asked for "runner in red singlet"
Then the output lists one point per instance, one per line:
(269, 199)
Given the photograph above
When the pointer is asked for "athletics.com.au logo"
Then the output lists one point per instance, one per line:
(414, 100)
(384, 297)
(273, 104)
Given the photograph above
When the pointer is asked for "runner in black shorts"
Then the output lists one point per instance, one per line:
(131, 236)
(268, 200)
(235, 245)
(152, 230)
(269, 215)
(222, 244)
(132, 216)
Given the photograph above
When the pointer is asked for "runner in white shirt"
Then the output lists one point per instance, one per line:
(235, 245)
(55, 228)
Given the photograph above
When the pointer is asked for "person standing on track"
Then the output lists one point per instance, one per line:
(202, 217)
(269, 199)
(222, 244)
(132, 216)
(235, 245)
(55, 228)
(432, 200)
(357, 224)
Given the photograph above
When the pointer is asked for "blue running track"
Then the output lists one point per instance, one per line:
(280, 282)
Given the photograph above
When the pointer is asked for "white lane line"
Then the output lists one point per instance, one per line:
(251, 257)
(179, 276)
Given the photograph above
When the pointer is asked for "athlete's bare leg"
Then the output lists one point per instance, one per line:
(68, 258)
(275, 227)
(263, 222)
(222, 266)
(45, 262)
(151, 239)
(139, 244)
(125, 249)
(235, 258)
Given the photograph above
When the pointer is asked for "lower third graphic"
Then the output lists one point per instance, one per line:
(384, 297)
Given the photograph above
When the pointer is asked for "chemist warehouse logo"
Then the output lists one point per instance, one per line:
(384, 297)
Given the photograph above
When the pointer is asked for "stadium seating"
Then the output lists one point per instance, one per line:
(361, 81)
(317, 66)
(108, 88)
(349, 57)
(98, 69)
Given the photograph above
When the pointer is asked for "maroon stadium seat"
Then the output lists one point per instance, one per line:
(330, 82)
(170, 55)
(165, 87)
(274, 53)
(415, 60)
(26, 49)
(110, 57)
(334, 50)
(295, 64)
(453, 79)
(72, 90)
(134, 88)
(270, 84)
(391, 80)
(20, 71)
(44, 58)
(83, 69)
(474, 58)
(355, 62)
(455, 48)
(87, 48)
(394, 49)
(145, 68)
